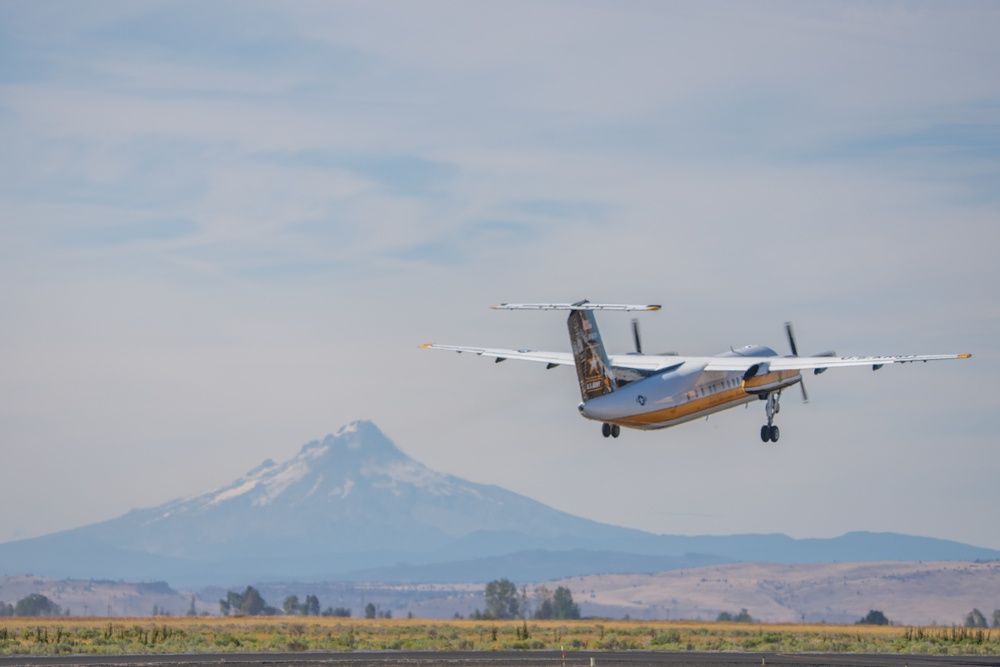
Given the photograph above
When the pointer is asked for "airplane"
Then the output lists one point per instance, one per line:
(646, 392)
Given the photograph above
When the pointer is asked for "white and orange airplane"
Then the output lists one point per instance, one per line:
(646, 392)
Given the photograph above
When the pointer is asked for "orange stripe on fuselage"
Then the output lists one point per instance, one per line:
(711, 403)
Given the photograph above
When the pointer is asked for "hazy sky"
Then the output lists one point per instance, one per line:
(226, 228)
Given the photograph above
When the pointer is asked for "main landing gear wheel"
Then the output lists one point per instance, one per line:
(770, 431)
(610, 430)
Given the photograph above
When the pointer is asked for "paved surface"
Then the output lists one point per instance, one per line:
(508, 659)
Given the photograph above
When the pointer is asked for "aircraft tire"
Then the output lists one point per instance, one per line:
(606, 430)
(775, 433)
(615, 430)
(765, 433)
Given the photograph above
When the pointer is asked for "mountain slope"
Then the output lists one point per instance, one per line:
(355, 506)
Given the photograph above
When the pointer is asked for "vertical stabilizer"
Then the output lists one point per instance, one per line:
(592, 366)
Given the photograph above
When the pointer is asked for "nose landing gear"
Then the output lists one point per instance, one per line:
(610, 430)
(770, 430)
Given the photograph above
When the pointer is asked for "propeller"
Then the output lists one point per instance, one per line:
(795, 352)
(635, 336)
(791, 338)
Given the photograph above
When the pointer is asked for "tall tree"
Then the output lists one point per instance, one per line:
(502, 599)
(291, 605)
(543, 603)
(253, 603)
(975, 619)
(563, 606)
(233, 604)
(248, 603)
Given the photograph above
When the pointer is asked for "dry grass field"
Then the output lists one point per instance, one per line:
(73, 635)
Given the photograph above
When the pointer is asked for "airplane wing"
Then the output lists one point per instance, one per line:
(741, 364)
(816, 363)
(652, 363)
(500, 354)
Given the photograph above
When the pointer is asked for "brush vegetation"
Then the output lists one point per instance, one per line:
(68, 635)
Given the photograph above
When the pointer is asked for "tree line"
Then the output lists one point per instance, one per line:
(251, 603)
(976, 619)
(504, 600)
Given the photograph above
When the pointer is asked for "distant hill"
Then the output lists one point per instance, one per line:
(908, 593)
(353, 506)
(77, 597)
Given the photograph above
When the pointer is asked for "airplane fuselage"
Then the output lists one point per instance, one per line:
(688, 392)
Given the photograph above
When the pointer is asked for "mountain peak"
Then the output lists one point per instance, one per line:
(354, 445)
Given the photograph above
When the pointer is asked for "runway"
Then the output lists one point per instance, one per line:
(506, 659)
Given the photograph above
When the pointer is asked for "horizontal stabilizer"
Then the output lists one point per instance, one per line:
(579, 305)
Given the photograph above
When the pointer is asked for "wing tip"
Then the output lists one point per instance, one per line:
(965, 356)
(427, 345)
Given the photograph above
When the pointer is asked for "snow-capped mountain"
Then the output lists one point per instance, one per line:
(353, 505)
(354, 491)
(352, 500)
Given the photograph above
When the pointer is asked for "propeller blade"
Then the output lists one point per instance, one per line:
(635, 336)
(795, 352)
(791, 338)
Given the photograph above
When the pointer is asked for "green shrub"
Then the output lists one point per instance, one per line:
(669, 637)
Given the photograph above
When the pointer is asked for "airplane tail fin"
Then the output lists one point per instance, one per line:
(592, 366)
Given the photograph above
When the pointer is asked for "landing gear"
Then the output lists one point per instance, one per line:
(770, 431)
(610, 430)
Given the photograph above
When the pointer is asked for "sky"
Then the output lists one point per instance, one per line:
(226, 229)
